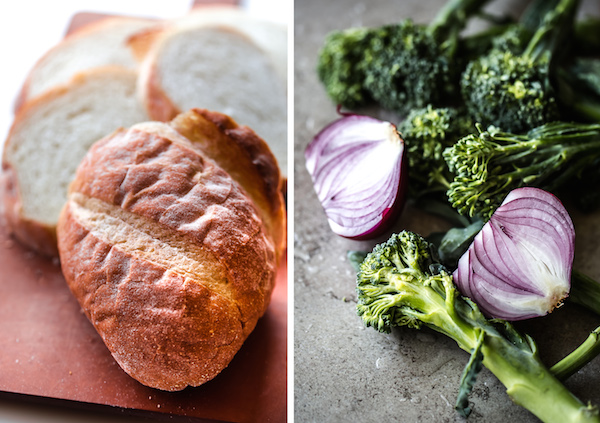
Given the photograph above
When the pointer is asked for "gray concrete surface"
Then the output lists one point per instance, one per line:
(344, 372)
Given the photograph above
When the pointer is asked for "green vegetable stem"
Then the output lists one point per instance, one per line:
(400, 284)
(588, 350)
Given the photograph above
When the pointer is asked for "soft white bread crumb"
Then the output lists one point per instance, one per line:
(101, 43)
(221, 59)
(52, 133)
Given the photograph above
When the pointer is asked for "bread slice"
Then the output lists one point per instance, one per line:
(219, 58)
(101, 43)
(167, 254)
(48, 138)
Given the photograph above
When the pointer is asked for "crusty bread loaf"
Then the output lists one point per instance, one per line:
(101, 43)
(219, 58)
(49, 136)
(169, 256)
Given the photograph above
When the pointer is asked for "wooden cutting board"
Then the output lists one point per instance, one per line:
(50, 351)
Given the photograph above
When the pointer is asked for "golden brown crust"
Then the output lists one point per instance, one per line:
(165, 325)
(245, 156)
(150, 176)
(164, 330)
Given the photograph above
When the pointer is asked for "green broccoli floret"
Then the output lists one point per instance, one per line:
(401, 66)
(513, 90)
(427, 132)
(412, 65)
(340, 66)
(489, 164)
(401, 284)
(406, 67)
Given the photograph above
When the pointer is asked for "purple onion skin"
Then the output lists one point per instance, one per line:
(519, 265)
(358, 170)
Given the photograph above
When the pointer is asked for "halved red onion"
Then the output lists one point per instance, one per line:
(356, 167)
(519, 264)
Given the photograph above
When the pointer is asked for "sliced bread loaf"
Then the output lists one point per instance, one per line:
(49, 136)
(101, 43)
(219, 58)
(166, 252)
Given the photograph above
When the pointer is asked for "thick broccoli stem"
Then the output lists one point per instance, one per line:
(450, 20)
(530, 384)
(527, 380)
(512, 359)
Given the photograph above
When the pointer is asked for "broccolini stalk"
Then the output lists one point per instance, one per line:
(514, 90)
(427, 132)
(534, 14)
(589, 349)
(400, 284)
(488, 165)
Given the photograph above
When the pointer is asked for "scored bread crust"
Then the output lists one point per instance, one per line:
(168, 256)
(245, 156)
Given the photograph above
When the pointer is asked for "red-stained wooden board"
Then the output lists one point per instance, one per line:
(50, 351)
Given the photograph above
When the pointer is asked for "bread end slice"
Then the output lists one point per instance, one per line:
(49, 136)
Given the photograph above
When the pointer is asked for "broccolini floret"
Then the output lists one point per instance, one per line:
(401, 284)
(427, 132)
(514, 90)
(489, 164)
(401, 66)
(341, 67)
(406, 67)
